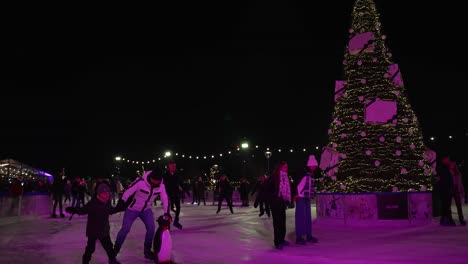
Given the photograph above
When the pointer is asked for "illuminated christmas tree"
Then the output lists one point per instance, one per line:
(375, 141)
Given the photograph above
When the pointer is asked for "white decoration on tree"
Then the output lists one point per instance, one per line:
(333, 178)
(423, 188)
(394, 73)
(362, 42)
(363, 133)
(359, 62)
(383, 37)
(398, 152)
(330, 131)
(343, 135)
(397, 93)
(334, 145)
(412, 146)
(380, 111)
(342, 186)
(374, 59)
(405, 120)
(340, 88)
(421, 163)
(368, 152)
(430, 156)
(395, 189)
(398, 139)
(354, 117)
(382, 139)
(377, 163)
(361, 98)
(363, 81)
(415, 118)
(329, 160)
(403, 171)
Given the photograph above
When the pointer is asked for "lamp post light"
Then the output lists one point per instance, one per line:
(118, 159)
(268, 155)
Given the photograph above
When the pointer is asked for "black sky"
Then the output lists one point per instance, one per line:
(83, 84)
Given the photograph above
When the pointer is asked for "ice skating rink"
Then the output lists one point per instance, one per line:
(242, 237)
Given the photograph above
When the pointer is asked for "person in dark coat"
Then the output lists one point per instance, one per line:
(446, 190)
(174, 187)
(224, 189)
(58, 187)
(200, 190)
(279, 192)
(98, 210)
(244, 191)
(75, 186)
(262, 195)
(193, 186)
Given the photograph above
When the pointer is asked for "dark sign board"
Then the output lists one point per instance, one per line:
(392, 206)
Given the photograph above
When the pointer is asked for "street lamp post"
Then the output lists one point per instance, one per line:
(268, 155)
(118, 160)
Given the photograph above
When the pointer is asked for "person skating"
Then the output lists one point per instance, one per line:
(224, 189)
(98, 210)
(174, 188)
(138, 197)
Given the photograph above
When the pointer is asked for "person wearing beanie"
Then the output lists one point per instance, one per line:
(138, 198)
(98, 210)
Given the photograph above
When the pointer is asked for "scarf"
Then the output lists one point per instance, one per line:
(284, 189)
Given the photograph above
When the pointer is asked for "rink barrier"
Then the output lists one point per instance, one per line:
(375, 208)
(24, 206)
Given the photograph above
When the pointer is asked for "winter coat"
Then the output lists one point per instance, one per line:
(200, 189)
(224, 188)
(446, 180)
(173, 183)
(260, 188)
(244, 190)
(98, 217)
(140, 194)
(58, 186)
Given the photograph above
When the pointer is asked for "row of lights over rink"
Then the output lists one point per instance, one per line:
(168, 154)
(268, 152)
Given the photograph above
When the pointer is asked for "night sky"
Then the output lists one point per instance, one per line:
(82, 84)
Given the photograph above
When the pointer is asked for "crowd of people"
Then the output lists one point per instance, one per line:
(273, 196)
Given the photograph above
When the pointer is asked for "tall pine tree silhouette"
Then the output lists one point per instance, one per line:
(375, 141)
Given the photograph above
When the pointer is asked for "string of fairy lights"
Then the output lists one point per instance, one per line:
(244, 146)
(267, 151)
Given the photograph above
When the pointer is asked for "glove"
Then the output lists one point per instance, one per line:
(70, 210)
(121, 206)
